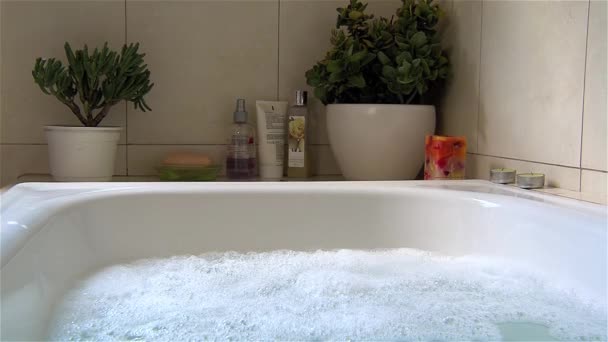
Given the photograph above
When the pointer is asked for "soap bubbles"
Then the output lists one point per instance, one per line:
(394, 294)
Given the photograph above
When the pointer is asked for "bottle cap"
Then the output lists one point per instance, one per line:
(240, 113)
(301, 98)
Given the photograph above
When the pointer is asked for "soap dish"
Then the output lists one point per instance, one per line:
(188, 173)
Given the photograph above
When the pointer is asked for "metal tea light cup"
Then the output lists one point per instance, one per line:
(531, 180)
(502, 176)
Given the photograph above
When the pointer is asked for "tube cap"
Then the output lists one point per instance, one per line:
(301, 97)
(240, 113)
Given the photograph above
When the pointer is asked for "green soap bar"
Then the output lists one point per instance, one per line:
(188, 174)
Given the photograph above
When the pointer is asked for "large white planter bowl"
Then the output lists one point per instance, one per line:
(379, 141)
(84, 154)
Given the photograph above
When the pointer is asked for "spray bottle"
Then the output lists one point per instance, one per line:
(241, 156)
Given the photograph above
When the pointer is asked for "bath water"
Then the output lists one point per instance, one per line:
(398, 294)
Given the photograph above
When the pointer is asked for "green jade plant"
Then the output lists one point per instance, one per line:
(380, 60)
(98, 80)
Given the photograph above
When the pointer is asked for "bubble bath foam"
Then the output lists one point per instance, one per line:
(397, 294)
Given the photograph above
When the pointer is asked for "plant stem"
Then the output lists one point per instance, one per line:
(89, 111)
(411, 98)
(400, 98)
(74, 108)
(103, 113)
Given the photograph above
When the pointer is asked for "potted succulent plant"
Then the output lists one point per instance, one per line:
(379, 81)
(89, 86)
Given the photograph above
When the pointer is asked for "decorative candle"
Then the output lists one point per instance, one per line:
(445, 157)
(530, 180)
(502, 176)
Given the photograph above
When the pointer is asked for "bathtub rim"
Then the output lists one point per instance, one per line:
(27, 207)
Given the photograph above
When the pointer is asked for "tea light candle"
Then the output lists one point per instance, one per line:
(531, 180)
(502, 176)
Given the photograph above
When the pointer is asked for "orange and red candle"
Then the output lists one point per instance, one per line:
(445, 157)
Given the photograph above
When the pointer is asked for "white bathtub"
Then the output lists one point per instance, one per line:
(54, 233)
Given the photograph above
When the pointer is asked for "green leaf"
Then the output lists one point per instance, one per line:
(404, 67)
(383, 58)
(334, 66)
(312, 78)
(336, 77)
(421, 88)
(321, 94)
(370, 57)
(406, 80)
(69, 54)
(358, 56)
(354, 15)
(404, 57)
(389, 72)
(425, 67)
(356, 81)
(418, 39)
(403, 46)
(424, 51)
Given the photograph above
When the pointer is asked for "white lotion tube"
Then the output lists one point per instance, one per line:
(271, 117)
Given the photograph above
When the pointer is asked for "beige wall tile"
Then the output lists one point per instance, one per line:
(324, 161)
(594, 181)
(202, 56)
(594, 186)
(478, 167)
(32, 29)
(1, 81)
(120, 168)
(17, 160)
(458, 112)
(595, 118)
(305, 30)
(532, 68)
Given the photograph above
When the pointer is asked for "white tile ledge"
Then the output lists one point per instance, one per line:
(593, 197)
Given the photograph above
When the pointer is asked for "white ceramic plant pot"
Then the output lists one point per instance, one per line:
(82, 154)
(379, 141)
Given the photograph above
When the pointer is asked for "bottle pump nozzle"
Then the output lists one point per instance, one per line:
(240, 113)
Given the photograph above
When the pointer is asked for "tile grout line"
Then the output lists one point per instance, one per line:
(479, 77)
(527, 161)
(580, 156)
(278, 48)
(146, 144)
(126, 108)
(156, 144)
(593, 170)
(569, 197)
(24, 144)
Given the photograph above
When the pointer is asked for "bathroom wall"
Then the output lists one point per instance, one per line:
(202, 56)
(529, 88)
